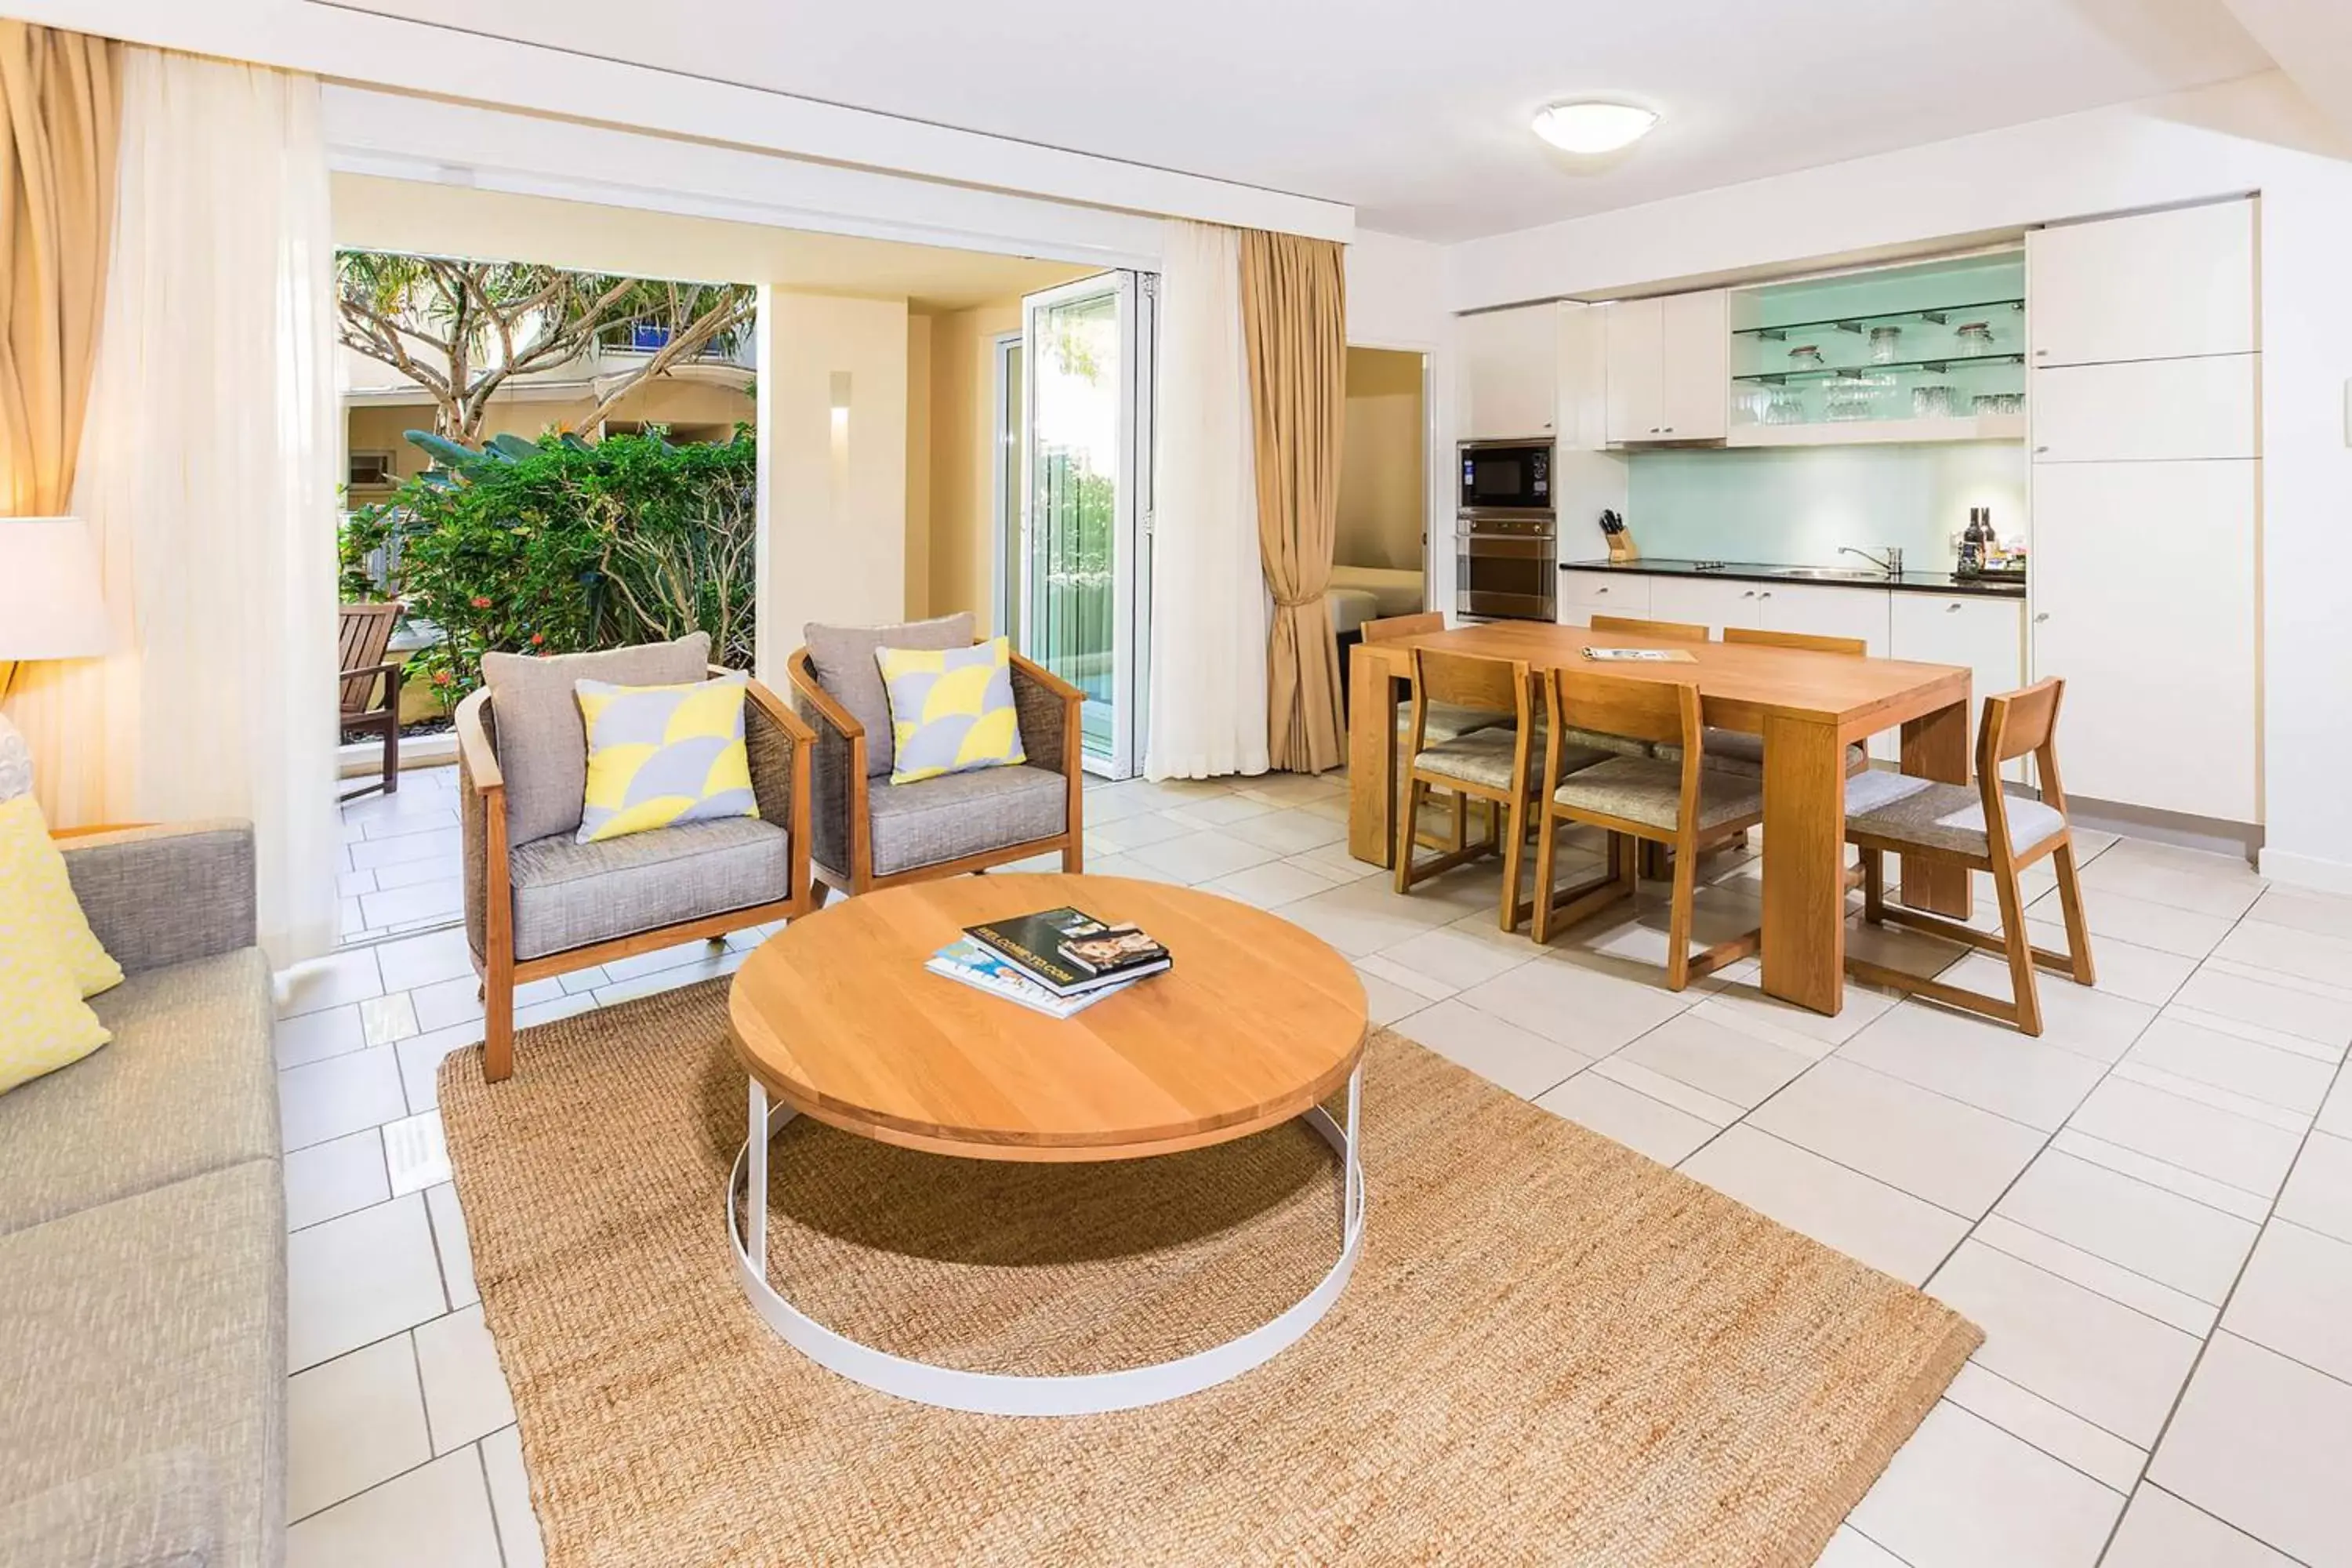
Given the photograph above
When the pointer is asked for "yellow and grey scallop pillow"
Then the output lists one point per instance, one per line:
(48, 960)
(661, 755)
(951, 709)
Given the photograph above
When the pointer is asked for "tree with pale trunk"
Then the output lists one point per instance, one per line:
(463, 329)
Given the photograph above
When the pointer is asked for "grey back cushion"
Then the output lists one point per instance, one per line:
(844, 660)
(543, 744)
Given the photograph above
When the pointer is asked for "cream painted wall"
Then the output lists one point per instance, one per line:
(963, 458)
(918, 467)
(1384, 499)
(832, 483)
(2256, 134)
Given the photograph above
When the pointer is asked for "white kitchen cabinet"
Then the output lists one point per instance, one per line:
(1826, 610)
(1509, 376)
(2143, 602)
(1583, 594)
(1669, 368)
(1711, 602)
(2148, 410)
(1987, 634)
(2162, 285)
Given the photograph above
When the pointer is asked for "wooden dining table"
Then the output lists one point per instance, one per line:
(1807, 706)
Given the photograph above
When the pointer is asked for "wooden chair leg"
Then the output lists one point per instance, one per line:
(392, 753)
(2018, 948)
(1874, 885)
(1546, 841)
(1514, 853)
(497, 1030)
(1678, 918)
(1408, 823)
(2069, 900)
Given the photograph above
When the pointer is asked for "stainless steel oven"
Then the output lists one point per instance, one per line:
(1505, 476)
(1505, 565)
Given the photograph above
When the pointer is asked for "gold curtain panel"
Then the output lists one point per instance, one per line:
(1294, 316)
(57, 203)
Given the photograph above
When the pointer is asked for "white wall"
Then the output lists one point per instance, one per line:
(2259, 134)
(1396, 300)
(832, 484)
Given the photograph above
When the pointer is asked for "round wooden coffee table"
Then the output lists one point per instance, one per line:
(836, 1017)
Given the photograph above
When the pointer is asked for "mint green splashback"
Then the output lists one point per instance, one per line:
(1794, 506)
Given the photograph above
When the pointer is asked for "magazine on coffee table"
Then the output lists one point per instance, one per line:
(969, 964)
(1068, 952)
(1641, 656)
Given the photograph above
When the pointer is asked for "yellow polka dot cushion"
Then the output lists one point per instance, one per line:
(662, 755)
(951, 709)
(45, 955)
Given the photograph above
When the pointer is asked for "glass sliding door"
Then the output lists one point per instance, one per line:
(1005, 561)
(1084, 379)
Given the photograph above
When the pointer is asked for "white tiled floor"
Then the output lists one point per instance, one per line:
(2148, 1209)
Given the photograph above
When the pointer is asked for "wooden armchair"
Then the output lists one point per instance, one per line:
(870, 833)
(363, 632)
(549, 905)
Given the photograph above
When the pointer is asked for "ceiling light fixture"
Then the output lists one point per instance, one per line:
(1593, 127)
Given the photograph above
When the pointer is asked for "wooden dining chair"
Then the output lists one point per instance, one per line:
(1734, 751)
(1984, 829)
(1446, 721)
(1496, 765)
(1679, 631)
(369, 696)
(1682, 805)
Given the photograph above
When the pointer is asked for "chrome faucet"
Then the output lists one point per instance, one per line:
(1892, 566)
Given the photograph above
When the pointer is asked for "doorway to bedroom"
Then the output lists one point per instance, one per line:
(1378, 562)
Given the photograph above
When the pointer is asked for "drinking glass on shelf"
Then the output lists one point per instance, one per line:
(1885, 344)
(1934, 402)
(1973, 339)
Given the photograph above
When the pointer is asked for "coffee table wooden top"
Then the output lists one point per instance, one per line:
(1257, 1021)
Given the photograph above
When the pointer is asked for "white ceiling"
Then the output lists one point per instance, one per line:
(1416, 111)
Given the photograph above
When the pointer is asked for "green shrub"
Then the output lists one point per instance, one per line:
(558, 545)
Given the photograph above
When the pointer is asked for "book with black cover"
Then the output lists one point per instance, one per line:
(1042, 946)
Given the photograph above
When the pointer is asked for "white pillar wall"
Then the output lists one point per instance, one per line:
(832, 467)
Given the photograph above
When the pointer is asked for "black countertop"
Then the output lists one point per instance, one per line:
(1755, 572)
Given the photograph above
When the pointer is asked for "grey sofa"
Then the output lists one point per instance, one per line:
(142, 1236)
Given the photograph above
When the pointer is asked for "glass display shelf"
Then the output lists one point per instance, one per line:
(1860, 325)
(1943, 364)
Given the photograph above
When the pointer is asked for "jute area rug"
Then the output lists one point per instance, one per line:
(1553, 1351)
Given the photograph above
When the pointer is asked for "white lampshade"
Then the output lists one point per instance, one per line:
(51, 604)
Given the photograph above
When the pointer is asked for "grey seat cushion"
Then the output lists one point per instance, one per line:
(159, 1510)
(1616, 745)
(1738, 752)
(1648, 790)
(1940, 816)
(148, 1325)
(843, 657)
(189, 1085)
(957, 814)
(568, 894)
(543, 744)
(1447, 722)
(1484, 757)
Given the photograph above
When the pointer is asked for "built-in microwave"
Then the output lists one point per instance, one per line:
(1506, 476)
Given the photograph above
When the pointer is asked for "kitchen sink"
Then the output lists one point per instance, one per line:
(1840, 573)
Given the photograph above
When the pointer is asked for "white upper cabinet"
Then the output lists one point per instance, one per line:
(2148, 410)
(1509, 372)
(1669, 368)
(2163, 285)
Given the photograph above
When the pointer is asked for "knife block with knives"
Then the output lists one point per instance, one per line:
(1621, 548)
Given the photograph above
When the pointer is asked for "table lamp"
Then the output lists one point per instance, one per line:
(51, 603)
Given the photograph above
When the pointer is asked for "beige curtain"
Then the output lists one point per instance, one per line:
(1294, 314)
(57, 207)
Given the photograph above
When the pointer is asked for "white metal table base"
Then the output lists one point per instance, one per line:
(997, 1394)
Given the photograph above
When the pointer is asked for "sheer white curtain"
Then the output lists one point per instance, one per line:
(1208, 589)
(207, 476)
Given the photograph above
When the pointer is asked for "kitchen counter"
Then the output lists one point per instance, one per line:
(1754, 571)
